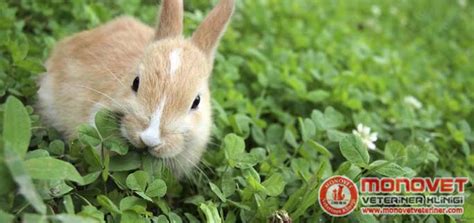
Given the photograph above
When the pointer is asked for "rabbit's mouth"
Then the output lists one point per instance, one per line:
(171, 143)
(172, 146)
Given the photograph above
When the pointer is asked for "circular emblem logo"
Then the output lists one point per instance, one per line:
(338, 196)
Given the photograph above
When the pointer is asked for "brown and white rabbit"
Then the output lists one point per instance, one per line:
(157, 79)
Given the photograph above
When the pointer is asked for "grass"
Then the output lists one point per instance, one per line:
(291, 81)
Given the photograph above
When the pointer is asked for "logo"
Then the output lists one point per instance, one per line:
(416, 195)
(338, 196)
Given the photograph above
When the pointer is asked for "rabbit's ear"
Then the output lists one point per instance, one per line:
(170, 23)
(207, 35)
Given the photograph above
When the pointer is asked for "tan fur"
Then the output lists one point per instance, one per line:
(210, 31)
(95, 69)
(171, 20)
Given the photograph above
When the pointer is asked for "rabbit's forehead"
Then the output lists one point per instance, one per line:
(175, 63)
(177, 74)
(183, 62)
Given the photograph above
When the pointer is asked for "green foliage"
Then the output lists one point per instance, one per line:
(47, 168)
(354, 151)
(16, 127)
(291, 81)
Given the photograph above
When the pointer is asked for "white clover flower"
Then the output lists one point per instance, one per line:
(462, 3)
(376, 11)
(413, 102)
(363, 132)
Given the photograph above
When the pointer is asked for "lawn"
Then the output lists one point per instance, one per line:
(292, 82)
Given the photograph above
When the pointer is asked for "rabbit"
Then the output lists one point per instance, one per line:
(156, 79)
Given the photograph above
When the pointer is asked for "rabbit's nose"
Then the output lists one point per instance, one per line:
(150, 137)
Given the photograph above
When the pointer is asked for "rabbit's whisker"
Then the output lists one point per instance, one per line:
(103, 94)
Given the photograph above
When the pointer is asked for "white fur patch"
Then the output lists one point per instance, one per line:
(151, 135)
(46, 97)
(175, 60)
(141, 68)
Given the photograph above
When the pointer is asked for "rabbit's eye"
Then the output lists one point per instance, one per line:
(135, 84)
(196, 102)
